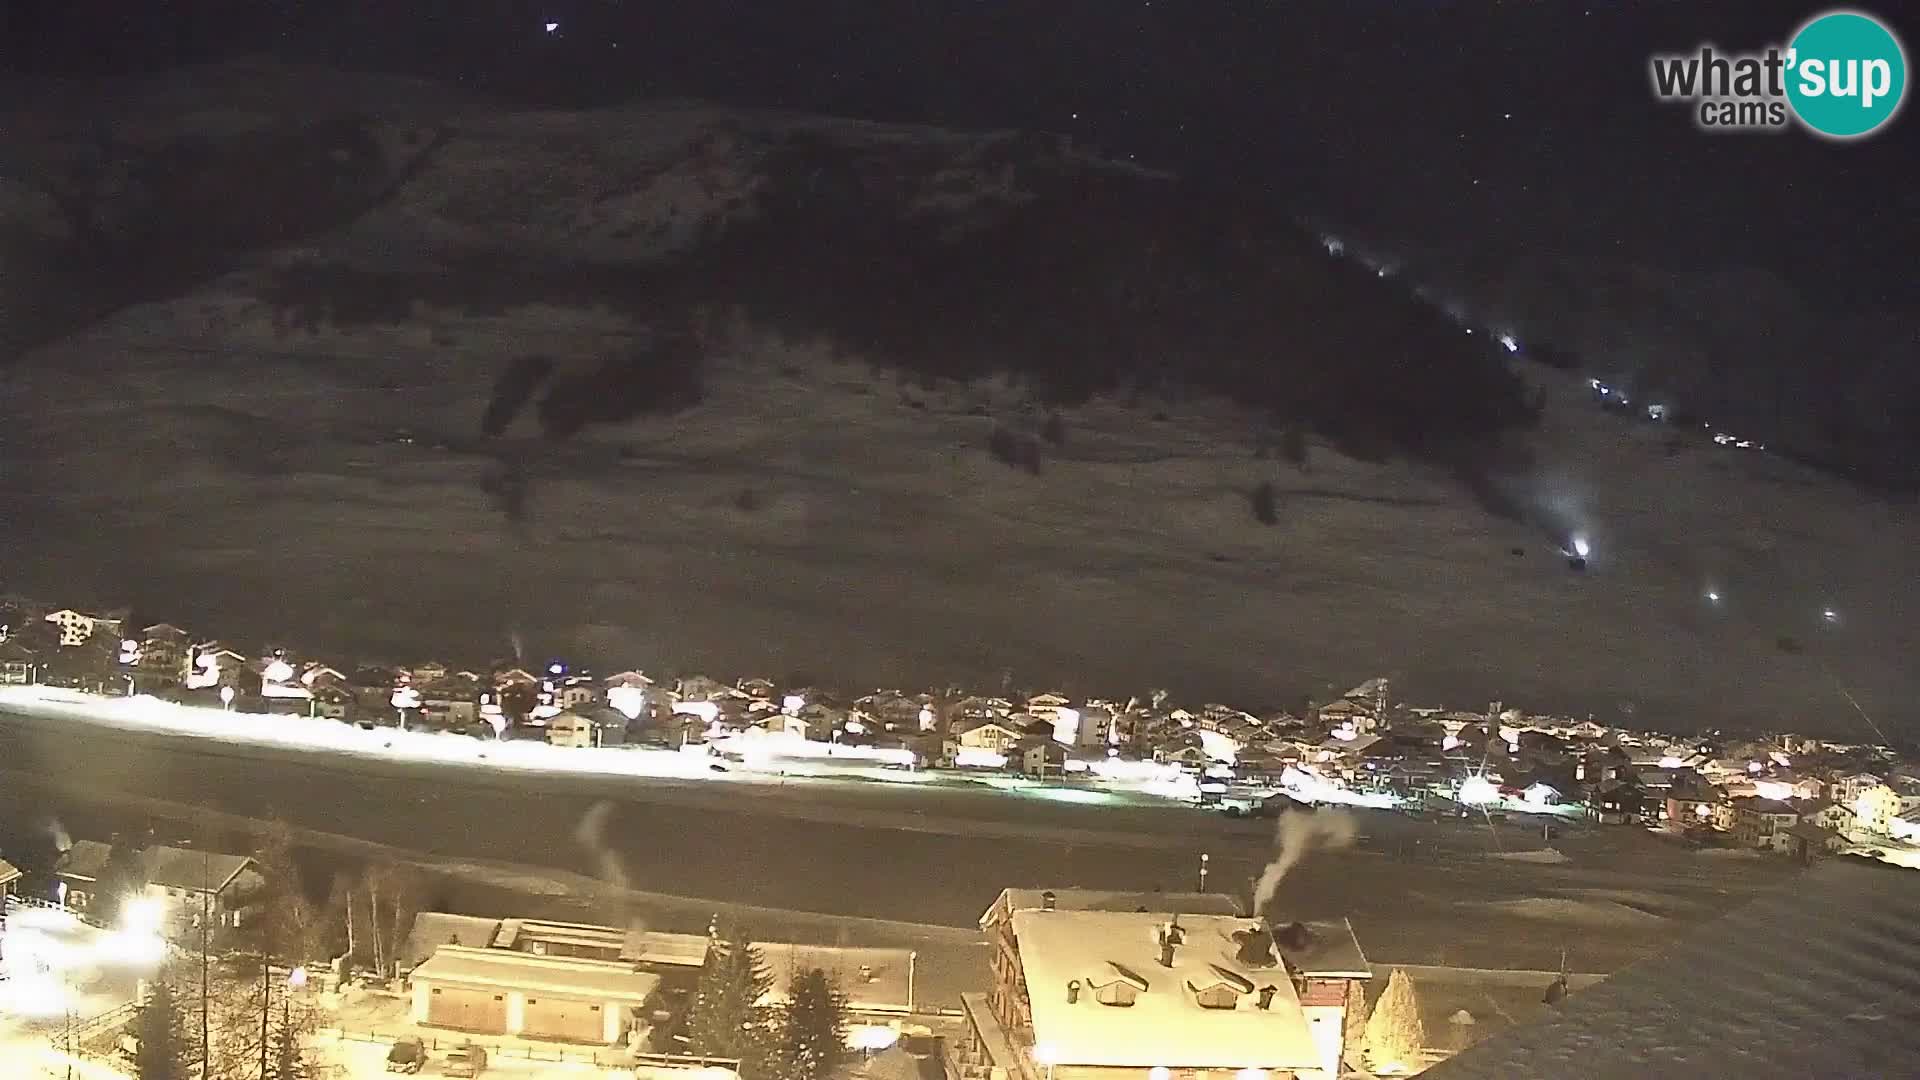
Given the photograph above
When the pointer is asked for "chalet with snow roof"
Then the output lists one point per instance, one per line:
(1096, 986)
(19, 665)
(78, 627)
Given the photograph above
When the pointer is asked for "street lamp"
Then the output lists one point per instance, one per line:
(226, 698)
(1203, 871)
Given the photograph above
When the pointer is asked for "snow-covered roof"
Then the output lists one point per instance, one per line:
(1185, 903)
(1813, 979)
(167, 867)
(1326, 948)
(1165, 1025)
(432, 929)
(607, 980)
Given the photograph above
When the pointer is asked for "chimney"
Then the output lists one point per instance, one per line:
(1171, 938)
(1073, 991)
(1048, 900)
(1266, 996)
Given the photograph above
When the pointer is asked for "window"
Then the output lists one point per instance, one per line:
(436, 989)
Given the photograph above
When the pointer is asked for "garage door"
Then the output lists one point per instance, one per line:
(468, 1010)
(563, 1018)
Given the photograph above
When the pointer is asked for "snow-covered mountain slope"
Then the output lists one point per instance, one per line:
(1832, 385)
(692, 389)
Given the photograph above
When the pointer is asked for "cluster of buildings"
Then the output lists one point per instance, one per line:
(1786, 794)
(1081, 984)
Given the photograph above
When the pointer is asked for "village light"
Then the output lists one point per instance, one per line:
(926, 718)
(226, 697)
(1581, 547)
(1159, 1072)
(1478, 791)
(140, 914)
(630, 701)
(792, 704)
(872, 1038)
(1508, 343)
(278, 671)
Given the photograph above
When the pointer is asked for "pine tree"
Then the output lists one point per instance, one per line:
(287, 1045)
(1395, 1033)
(162, 1050)
(813, 1031)
(1353, 1026)
(728, 1019)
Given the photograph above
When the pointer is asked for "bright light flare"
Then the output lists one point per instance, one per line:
(1509, 343)
(1478, 791)
(1581, 547)
(278, 671)
(872, 1038)
(707, 711)
(629, 701)
(141, 914)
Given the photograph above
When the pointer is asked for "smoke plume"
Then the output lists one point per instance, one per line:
(591, 835)
(1299, 835)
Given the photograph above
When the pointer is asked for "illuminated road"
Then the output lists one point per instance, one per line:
(901, 852)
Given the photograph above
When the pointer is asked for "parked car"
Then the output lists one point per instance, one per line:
(465, 1060)
(406, 1055)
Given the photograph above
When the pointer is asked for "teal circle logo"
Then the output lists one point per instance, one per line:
(1846, 74)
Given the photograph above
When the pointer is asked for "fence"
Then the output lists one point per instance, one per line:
(16, 902)
(80, 1033)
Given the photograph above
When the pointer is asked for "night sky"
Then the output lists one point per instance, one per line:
(1477, 128)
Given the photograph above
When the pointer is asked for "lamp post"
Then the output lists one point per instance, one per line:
(226, 698)
(1203, 872)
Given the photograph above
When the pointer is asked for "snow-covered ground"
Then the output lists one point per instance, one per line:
(244, 475)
